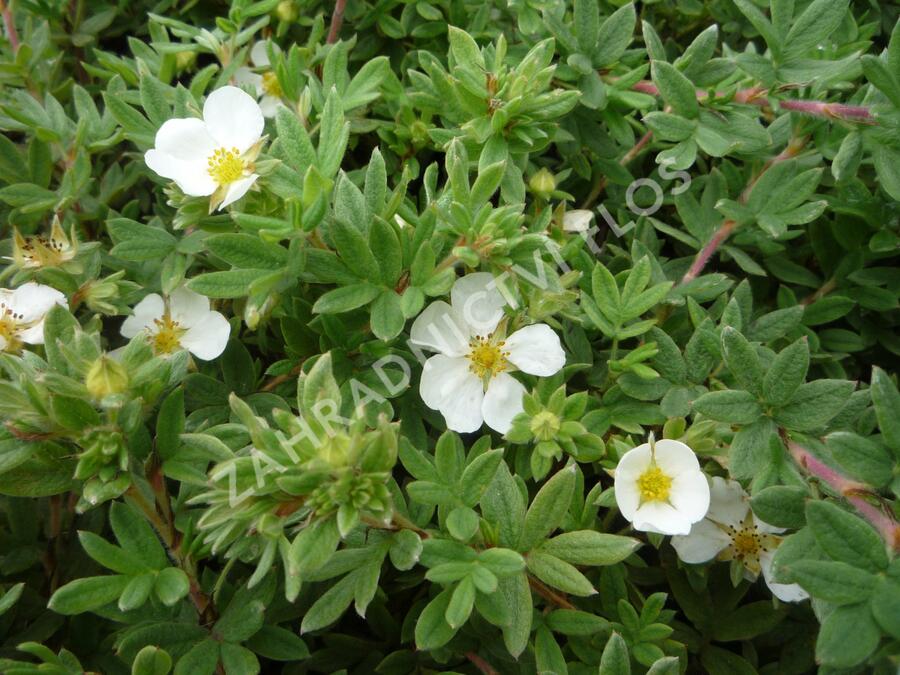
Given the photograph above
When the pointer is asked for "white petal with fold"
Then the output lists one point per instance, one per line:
(442, 375)
(536, 350)
(32, 301)
(674, 457)
(690, 495)
(784, 592)
(187, 307)
(191, 176)
(143, 315)
(440, 329)
(661, 518)
(727, 502)
(502, 402)
(237, 189)
(233, 118)
(207, 339)
(702, 544)
(478, 301)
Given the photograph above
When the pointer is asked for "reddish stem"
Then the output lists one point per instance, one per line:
(481, 664)
(11, 32)
(854, 492)
(758, 96)
(707, 252)
(337, 20)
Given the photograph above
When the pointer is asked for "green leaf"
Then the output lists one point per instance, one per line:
(558, 574)
(387, 316)
(136, 536)
(83, 595)
(240, 620)
(151, 661)
(278, 644)
(615, 659)
(247, 251)
(464, 50)
(575, 622)
(886, 400)
(742, 360)
(293, 141)
(832, 646)
(587, 547)
(886, 605)
(787, 373)
(732, 405)
(230, 284)
(615, 34)
(586, 14)
(781, 506)
(238, 660)
(136, 592)
(504, 506)
(74, 413)
(170, 424)
(139, 242)
(677, 91)
(9, 598)
(432, 629)
(548, 508)
(814, 404)
(110, 556)
(172, 585)
(548, 656)
(834, 582)
(346, 298)
(200, 660)
(355, 251)
(845, 537)
(461, 602)
(747, 622)
(819, 20)
(862, 458)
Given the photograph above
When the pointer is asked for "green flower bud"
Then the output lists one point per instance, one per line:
(105, 378)
(543, 183)
(287, 11)
(545, 425)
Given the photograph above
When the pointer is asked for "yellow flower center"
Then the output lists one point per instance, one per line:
(271, 85)
(225, 166)
(746, 542)
(654, 485)
(10, 325)
(486, 357)
(167, 338)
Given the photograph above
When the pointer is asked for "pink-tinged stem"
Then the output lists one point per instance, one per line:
(707, 252)
(758, 96)
(337, 20)
(855, 493)
(11, 33)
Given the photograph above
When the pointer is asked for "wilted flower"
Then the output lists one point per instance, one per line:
(578, 220)
(265, 84)
(731, 531)
(468, 381)
(184, 321)
(660, 488)
(39, 251)
(213, 156)
(22, 313)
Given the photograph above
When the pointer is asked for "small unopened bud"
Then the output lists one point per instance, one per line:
(543, 183)
(105, 378)
(287, 11)
(545, 425)
(184, 60)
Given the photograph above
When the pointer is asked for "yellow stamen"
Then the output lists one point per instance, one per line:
(10, 327)
(167, 338)
(271, 85)
(486, 357)
(654, 485)
(225, 166)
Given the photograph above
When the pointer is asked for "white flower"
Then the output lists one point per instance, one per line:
(265, 84)
(184, 322)
(468, 381)
(578, 220)
(214, 155)
(731, 531)
(22, 313)
(660, 487)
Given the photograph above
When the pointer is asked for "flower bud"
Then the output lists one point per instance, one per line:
(105, 378)
(543, 183)
(184, 60)
(287, 11)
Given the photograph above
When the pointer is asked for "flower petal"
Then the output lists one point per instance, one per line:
(502, 402)
(187, 307)
(478, 301)
(536, 350)
(186, 139)
(784, 592)
(727, 502)
(270, 105)
(191, 176)
(237, 189)
(674, 457)
(633, 463)
(32, 301)
(690, 495)
(144, 313)
(448, 385)
(233, 118)
(577, 220)
(702, 544)
(440, 329)
(207, 339)
(246, 78)
(259, 54)
(661, 518)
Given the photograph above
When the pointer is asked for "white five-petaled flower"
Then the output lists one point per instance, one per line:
(22, 313)
(265, 83)
(468, 380)
(730, 531)
(577, 220)
(183, 322)
(213, 156)
(660, 487)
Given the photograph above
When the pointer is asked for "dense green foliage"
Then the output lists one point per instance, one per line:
(286, 502)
